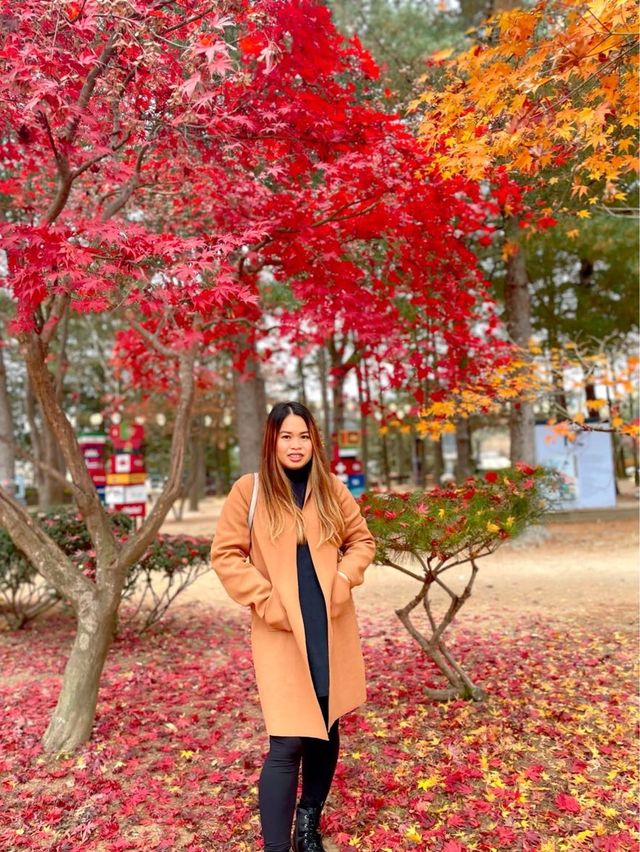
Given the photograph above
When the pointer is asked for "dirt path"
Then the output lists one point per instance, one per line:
(570, 571)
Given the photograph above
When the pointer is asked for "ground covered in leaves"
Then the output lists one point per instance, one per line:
(547, 762)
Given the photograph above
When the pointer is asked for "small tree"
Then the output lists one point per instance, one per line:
(443, 529)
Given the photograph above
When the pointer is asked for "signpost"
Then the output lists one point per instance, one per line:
(93, 446)
(347, 465)
(126, 479)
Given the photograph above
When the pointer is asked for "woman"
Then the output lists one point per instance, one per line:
(308, 546)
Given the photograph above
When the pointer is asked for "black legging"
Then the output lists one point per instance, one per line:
(278, 783)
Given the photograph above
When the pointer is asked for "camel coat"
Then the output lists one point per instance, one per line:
(262, 574)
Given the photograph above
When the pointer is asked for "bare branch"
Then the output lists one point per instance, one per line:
(89, 85)
(59, 304)
(134, 548)
(64, 174)
(127, 189)
(98, 526)
(27, 456)
(96, 159)
(153, 341)
(620, 212)
(406, 571)
(44, 554)
(189, 20)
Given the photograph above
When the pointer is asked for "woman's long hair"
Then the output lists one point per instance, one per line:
(276, 486)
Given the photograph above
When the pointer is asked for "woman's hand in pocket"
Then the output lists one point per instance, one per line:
(340, 594)
(275, 614)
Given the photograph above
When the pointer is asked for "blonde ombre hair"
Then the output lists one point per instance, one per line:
(276, 487)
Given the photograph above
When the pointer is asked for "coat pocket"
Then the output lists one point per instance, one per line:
(275, 615)
(340, 595)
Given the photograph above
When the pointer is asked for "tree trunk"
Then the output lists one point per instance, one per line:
(326, 407)
(518, 315)
(301, 380)
(438, 460)
(384, 451)
(418, 459)
(51, 490)
(464, 464)
(559, 406)
(52, 493)
(7, 452)
(198, 479)
(337, 393)
(250, 411)
(72, 720)
(363, 396)
(400, 454)
(45, 449)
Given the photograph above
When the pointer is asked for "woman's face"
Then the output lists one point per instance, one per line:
(294, 442)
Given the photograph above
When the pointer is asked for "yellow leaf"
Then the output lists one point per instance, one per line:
(441, 55)
(413, 834)
(425, 783)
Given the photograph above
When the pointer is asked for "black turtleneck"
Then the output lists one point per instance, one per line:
(314, 612)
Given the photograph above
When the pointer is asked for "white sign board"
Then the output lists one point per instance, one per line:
(125, 494)
(586, 465)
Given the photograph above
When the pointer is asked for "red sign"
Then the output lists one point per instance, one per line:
(126, 463)
(347, 466)
(136, 510)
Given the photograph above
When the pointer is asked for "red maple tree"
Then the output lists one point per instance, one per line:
(157, 159)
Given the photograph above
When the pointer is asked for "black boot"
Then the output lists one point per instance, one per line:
(306, 837)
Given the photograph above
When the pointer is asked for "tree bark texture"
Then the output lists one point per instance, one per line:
(198, 478)
(518, 315)
(250, 412)
(7, 452)
(326, 406)
(464, 463)
(72, 721)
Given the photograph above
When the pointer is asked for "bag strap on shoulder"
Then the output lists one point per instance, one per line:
(254, 500)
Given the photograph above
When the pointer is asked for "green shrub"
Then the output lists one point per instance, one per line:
(170, 564)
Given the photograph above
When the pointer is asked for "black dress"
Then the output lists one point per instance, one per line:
(314, 612)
